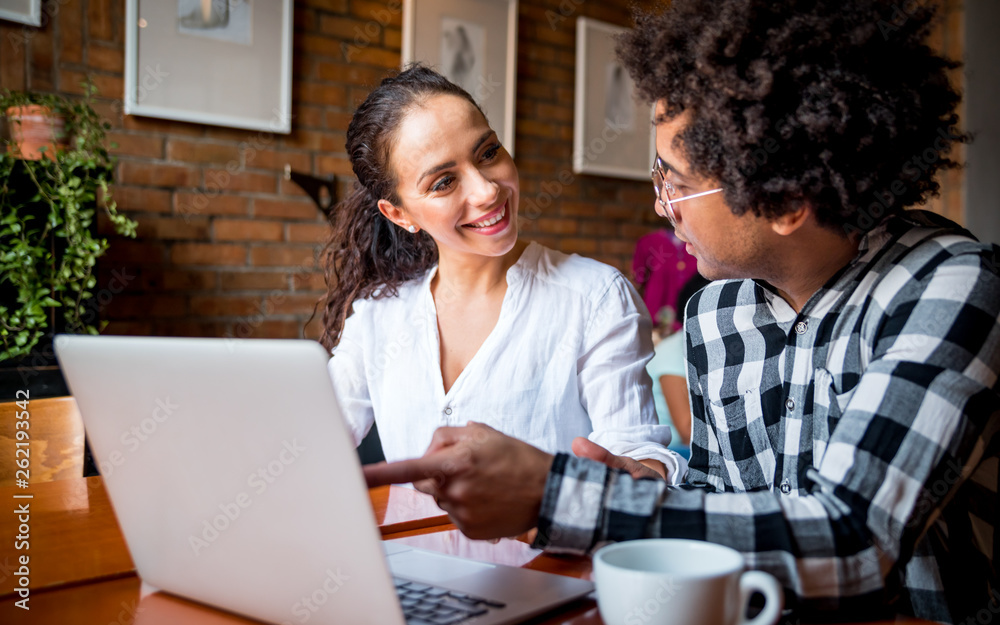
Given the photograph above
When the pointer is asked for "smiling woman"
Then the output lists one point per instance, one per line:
(438, 315)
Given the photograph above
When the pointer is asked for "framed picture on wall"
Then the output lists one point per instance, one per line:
(612, 131)
(218, 62)
(23, 11)
(474, 44)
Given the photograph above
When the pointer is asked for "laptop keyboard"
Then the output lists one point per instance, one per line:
(430, 605)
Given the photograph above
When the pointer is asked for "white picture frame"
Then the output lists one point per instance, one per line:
(218, 62)
(473, 43)
(612, 131)
(22, 11)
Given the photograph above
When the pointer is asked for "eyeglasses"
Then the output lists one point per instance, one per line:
(673, 195)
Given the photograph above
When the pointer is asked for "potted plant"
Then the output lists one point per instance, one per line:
(48, 247)
(37, 124)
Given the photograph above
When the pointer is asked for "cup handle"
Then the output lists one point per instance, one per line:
(767, 585)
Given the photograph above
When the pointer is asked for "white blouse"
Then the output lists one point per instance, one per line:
(566, 358)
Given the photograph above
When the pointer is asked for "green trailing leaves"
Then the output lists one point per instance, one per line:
(48, 251)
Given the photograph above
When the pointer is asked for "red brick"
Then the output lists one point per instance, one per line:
(306, 116)
(318, 45)
(562, 37)
(190, 328)
(555, 113)
(287, 187)
(308, 233)
(247, 230)
(578, 246)
(597, 229)
(286, 208)
(110, 111)
(142, 200)
(180, 280)
(392, 38)
(253, 280)
(356, 96)
(276, 329)
(283, 256)
(627, 211)
(208, 254)
(158, 174)
(634, 231)
(276, 160)
(201, 152)
(222, 180)
(578, 209)
(349, 73)
(639, 194)
(233, 135)
(136, 145)
(316, 140)
(147, 305)
(566, 58)
(256, 327)
(338, 120)
(312, 281)
(536, 89)
(313, 329)
(541, 54)
(148, 124)
(224, 306)
(335, 6)
(131, 252)
(538, 128)
(386, 14)
(99, 16)
(105, 58)
(71, 81)
(194, 204)
(343, 27)
(552, 225)
(70, 20)
(129, 328)
(617, 246)
(292, 304)
(162, 228)
(333, 165)
(42, 76)
(546, 170)
(305, 20)
(13, 45)
(370, 55)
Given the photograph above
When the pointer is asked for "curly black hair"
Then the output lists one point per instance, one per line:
(839, 103)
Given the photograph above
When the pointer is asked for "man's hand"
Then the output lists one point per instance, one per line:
(490, 485)
(585, 448)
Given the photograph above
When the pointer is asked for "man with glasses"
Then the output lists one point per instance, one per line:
(843, 368)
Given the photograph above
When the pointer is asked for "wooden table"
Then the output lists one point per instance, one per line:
(81, 572)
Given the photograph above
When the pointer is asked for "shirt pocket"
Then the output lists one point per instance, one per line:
(738, 422)
(829, 405)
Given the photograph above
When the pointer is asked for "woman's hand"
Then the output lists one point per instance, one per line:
(585, 448)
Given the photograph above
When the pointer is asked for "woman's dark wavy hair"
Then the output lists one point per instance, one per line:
(839, 103)
(367, 255)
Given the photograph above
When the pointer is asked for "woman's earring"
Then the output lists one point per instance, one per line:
(412, 229)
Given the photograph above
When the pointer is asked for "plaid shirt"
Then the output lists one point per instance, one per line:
(850, 449)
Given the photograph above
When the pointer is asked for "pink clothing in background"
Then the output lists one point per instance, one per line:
(661, 266)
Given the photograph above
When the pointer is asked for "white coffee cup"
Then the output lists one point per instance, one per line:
(667, 581)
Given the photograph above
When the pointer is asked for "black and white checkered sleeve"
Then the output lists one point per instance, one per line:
(919, 422)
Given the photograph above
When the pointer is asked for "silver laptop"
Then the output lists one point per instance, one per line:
(236, 484)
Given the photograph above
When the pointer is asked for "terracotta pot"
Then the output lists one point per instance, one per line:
(33, 127)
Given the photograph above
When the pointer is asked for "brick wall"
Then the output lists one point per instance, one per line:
(225, 245)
